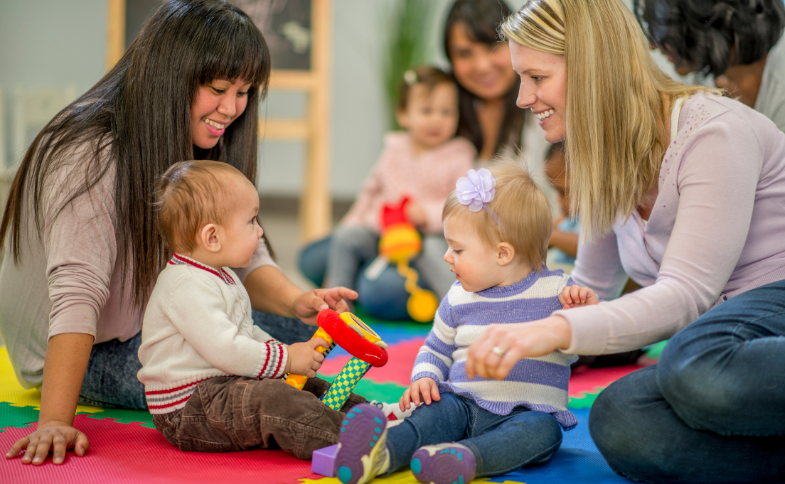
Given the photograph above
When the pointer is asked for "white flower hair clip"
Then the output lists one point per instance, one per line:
(410, 78)
(476, 190)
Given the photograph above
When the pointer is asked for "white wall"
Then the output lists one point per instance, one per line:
(50, 43)
(358, 120)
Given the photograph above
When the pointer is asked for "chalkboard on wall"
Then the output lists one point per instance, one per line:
(286, 25)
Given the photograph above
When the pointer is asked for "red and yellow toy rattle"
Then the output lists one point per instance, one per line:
(350, 333)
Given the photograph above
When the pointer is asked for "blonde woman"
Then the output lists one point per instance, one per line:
(684, 190)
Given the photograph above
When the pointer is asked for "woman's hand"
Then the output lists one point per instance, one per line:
(425, 390)
(501, 346)
(55, 435)
(308, 304)
(64, 367)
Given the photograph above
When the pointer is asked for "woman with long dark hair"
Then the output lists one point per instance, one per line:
(486, 82)
(82, 247)
(736, 41)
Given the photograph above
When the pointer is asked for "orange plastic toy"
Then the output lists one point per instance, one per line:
(399, 243)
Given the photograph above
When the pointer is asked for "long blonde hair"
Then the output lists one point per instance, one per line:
(615, 117)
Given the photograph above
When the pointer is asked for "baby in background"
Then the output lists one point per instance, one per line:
(212, 379)
(566, 228)
(422, 163)
(497, 224)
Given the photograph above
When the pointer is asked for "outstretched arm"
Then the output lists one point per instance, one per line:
(64, 368)
(272, 292)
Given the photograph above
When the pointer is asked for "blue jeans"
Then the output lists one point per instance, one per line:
(384, 296)
(499, 443)
(713, 409)
(286, 330)
(110, 380)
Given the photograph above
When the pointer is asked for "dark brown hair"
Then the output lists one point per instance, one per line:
(481, 18)
(427, 76)
(137, 121)
(710, 36)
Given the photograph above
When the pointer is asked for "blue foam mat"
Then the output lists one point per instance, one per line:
(578, 461)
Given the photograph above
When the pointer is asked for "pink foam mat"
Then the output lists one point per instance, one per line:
(397, 370)
(129, 453)
(592, 380)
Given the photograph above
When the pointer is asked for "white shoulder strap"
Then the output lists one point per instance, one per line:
(675, 112)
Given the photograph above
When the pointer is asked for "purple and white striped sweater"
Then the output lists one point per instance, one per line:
(535, 383)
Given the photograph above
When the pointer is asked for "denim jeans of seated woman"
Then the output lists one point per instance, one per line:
(499, 443)
(713, 409)
(384, 295)
(110, 380)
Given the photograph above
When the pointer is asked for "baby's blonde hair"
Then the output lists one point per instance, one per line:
(524, 214)
(190, 195)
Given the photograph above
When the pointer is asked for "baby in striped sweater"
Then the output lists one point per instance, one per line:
(497, 224)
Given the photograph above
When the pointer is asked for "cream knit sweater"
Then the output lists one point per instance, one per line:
(197, 326)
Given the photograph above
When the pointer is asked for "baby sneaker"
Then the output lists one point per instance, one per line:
(450, 463)
(362, 454)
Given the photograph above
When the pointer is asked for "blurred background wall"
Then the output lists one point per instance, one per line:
(56, 44)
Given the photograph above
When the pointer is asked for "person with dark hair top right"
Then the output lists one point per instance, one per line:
(683, 190)
(736, 41)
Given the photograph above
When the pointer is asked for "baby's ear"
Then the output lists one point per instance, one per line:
(209, 237)
(505, 253)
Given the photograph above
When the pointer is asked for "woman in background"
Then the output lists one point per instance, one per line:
(738, 42)
(488, 118)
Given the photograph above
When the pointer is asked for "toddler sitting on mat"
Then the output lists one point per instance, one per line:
(497, 224)
(212, 379)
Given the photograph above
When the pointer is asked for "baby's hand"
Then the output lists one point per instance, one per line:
(576, 296)
(415, 214)
(423, 390)
(304, 359)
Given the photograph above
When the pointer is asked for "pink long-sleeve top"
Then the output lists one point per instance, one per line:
(69, 280)
(717, 229)
(427, 179)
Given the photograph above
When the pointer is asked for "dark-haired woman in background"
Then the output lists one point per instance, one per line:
(488, 118)
(736, 41)
(487, 84)
(82, 247)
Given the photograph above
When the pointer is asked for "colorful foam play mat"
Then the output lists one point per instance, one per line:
(125, 447)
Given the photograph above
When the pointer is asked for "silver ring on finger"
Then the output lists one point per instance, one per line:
(497, 351)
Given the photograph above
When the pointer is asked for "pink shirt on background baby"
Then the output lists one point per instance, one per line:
(427, 179)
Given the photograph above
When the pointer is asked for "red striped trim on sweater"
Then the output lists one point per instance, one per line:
(266, 360)
(280, 359)
(278, 346)
(167, 405)
(178, 259)
(175, 389)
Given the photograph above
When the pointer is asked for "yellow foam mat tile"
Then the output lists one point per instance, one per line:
(18, 396)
